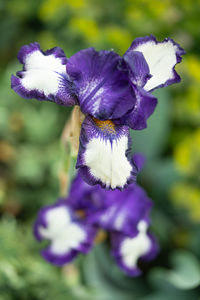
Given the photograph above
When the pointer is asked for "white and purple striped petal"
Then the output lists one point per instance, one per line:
(104, 154)
(123, 210)
(67, 235)
(161, 58)
(102, 83)
(44, 76)
(129, 250)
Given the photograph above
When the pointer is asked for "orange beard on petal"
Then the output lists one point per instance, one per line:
(106, 126)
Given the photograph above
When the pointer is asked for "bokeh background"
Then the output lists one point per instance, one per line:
(30, 152)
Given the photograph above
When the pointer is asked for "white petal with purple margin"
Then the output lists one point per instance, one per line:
(42, 72)
(64, 234)
(108, 162)
(103, 154)
(42, 80)
(44, 75)
(161, 58)
(131, 249)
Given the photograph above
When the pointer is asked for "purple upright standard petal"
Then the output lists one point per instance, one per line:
(103, 86)
(85, 197)
(139, 69)
(104, 154)
(145, 104)
(123, 210)
(44, 76)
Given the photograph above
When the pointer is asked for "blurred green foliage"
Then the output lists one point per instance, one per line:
(30, 154)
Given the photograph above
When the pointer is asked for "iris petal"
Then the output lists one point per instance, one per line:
(137, 117)
(123, 210)
(103, 86)
(161, 58)
(104, 154)
(67, 235)
(139, 69)
(129, 250)
(44, 76)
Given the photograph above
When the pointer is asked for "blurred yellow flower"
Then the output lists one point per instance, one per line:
(86, 27)
(137, 9)
(188, 196)
(187, 105)
(118, 38)
(157, 7)
(49, 8)
(182, 156)
(187, 154)
(193, 67)
(46, 39)
(193, 103)
(134, 13)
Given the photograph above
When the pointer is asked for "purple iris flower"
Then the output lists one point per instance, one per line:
(71, 224)
(113, 92)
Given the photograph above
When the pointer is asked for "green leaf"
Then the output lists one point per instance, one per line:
(23, 273)
(172, 295)
(164, 174)
(184, 275)
(107, 280)
(152, 140)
